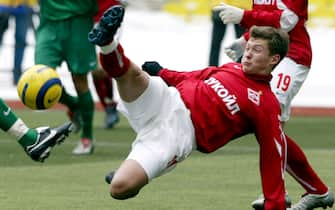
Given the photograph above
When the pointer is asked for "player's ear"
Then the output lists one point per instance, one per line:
(275, 59)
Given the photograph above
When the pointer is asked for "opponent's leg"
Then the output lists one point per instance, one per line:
(37, 143)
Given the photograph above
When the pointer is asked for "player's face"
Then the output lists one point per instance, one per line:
(256, 58)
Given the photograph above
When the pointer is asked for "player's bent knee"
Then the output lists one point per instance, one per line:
(124, 196)
(128, 180)
(123, 190)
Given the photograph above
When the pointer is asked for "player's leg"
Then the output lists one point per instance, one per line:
(86, 110)
(105, 89)
(286, 82)
(165, 136)
(48, 51)
(147, 103)
(300, 169)
(10, 122)
(143, 163)
(38, 142)
(71, 102)
(288, 78)
(128, 180)
(80, 66)
(103, 82)
(131, 80)
(317, 193)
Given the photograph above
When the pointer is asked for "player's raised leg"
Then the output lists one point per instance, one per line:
(130, 177)
(131, 80)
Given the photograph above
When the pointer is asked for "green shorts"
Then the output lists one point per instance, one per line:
(59, 41)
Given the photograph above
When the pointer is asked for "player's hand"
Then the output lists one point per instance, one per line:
(229, 14)
(235, 50)
(152, 67)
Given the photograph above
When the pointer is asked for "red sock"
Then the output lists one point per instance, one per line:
(299, 167)
(104, 88)
(115, 63)
(110, 87)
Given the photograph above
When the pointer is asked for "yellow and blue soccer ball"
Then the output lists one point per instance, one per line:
(39, 87)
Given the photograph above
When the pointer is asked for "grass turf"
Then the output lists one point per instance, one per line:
(225, 179)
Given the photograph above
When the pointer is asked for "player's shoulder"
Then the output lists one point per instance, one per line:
(231, 66)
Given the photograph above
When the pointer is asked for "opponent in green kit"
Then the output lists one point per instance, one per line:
(62, 36)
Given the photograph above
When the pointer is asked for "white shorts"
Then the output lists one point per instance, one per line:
(287, 80)
(165, 133)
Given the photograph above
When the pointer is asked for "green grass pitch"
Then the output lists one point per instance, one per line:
(227, 179)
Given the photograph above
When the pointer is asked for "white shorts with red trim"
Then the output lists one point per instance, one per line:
(165, 133)
(287, 80)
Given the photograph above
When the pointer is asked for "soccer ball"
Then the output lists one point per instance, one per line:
(39, 87)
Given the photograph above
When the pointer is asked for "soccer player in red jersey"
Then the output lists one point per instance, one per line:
(289, 74)
(202, 110)
(290, 16)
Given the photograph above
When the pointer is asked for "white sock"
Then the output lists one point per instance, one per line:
(113, 45)
(18, 129)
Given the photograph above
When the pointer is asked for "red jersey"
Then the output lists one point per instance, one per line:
(103, 6)
(225, 103)
(290, 15)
